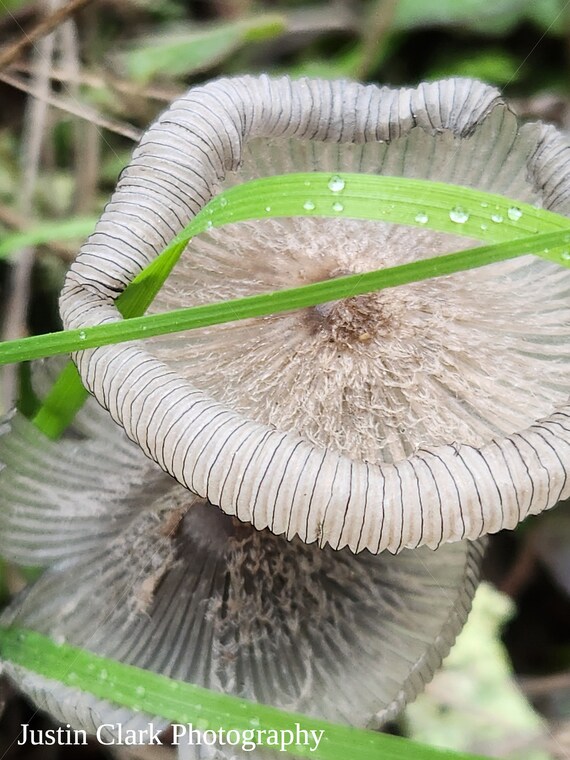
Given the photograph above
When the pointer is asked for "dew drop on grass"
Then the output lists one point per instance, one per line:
(82, 335)
(223, 202)
(458, 215)
(484, 205)
(514, 214)
(268, 209)
(309, 206)
(336, 184)
(565, 255)
(72, 677)
(422, 218)
(484, 227)
(338, 207)
(103, 675)
(254, 722)
(140, 691)
(497, 218)
(209, 224)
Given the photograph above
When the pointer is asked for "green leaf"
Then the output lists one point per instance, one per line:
(497, 18)
(48, 232)
(197, 48)
(182, 703)
(495, 66)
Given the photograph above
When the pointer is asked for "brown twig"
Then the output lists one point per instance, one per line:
(46, 25)
(81, 110)
(376, 29)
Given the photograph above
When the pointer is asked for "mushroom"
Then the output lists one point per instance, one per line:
(140, 570)
(298, 447)
(368, 458)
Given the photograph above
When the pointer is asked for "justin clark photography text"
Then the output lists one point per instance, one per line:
(111, 734)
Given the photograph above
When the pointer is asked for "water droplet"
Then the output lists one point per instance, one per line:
(72, 677)
(514, 214)
(565, 255)
(484, 205)
(307, 183)
(174, 685)
(268, 209)
(309, 206)
(140, 691)
(338, 207)
(497, 218)
(223, 202)
(336, 184)
(422, 218)
(103, 674)
(91, 667)
(59, 639)
(209, 224)
(484, 227)
(82, 335)
(254, 722)
(458, 215)
(136, 708)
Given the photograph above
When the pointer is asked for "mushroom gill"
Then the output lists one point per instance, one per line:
(140, 570)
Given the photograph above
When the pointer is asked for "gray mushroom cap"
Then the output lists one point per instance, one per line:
(479, 359)
(140, 570)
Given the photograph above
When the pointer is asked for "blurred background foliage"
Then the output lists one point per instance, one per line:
(103, 74)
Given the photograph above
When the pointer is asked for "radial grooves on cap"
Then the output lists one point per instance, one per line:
(442, 494)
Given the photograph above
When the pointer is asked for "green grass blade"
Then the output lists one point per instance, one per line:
(271, 303)
(446, 208)
(68, 393)
(183, 703)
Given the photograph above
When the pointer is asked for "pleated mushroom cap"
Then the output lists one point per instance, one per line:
(421, 415)
(170, 583)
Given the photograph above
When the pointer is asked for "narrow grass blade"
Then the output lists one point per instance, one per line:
(446, 208)
(270, 303)
(183, 703)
